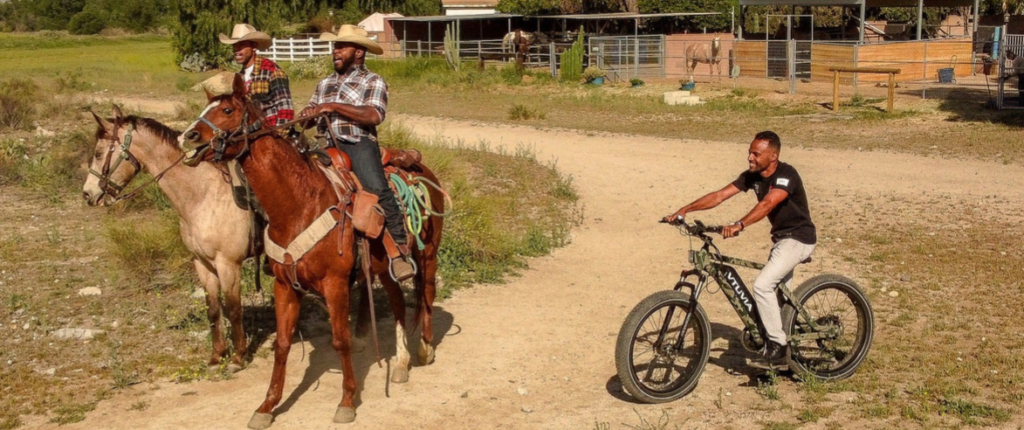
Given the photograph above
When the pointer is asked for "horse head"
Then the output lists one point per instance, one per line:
(108, 172)
(221, 130)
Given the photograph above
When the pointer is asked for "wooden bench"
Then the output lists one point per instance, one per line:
(892, 72)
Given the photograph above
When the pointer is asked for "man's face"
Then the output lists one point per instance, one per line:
(760, 156)
(244, 52)
(345, 54)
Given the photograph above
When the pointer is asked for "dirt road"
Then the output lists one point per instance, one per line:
(538, 352)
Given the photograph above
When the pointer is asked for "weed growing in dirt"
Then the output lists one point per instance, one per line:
(71, 413)
(140, 405)
(71, 81)
(151, 253)
(17, 103)
(520, 112)
(664, 422)
(779, 425)
(767, 386)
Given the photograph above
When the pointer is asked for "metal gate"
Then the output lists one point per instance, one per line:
(785, 57)
(626, 57)
(1010, 96)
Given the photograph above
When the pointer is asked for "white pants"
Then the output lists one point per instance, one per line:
(786, 255)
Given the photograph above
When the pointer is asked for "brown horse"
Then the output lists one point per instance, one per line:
(294, 193)
(707, 53)
(212, 227)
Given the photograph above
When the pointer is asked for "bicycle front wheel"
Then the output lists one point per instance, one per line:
(653, 366)
(839, 307)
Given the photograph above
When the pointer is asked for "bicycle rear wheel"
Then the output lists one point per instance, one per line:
(650, 367)
(832, 301)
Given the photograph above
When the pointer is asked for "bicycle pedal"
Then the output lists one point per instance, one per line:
(763, 365)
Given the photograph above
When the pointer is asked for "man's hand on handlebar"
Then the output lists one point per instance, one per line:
(731, 230)
(676, 218)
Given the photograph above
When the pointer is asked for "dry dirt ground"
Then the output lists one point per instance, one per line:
(538, 352)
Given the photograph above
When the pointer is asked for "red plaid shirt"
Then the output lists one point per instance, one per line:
(269, 89)
(357, 87)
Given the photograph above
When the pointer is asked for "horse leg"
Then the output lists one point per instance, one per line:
(426, 290)
(212, 286)
(286, 308)
(230, 276)
(400, 364)
(336, 295)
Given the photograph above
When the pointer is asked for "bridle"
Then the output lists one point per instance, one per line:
(107, 185)
(222, 139)
(113, 189)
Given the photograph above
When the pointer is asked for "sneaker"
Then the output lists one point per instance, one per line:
(774, 357)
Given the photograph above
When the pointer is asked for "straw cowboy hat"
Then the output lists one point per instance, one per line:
(352, 34)
(244, 32)
(217, 85)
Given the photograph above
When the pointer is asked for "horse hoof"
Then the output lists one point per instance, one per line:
(344, 415)
(235, 368)
(212, 370)
(260, 421)
(425, 353)
(400, 375)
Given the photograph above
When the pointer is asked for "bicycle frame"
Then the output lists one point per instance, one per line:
(714, 265)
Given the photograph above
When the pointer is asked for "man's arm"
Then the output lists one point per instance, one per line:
(707, 202)
(362, 115)
(761, 210)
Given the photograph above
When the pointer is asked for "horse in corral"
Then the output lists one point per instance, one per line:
(295, 193)
(213, 228)
(706, 53)
(518, 42)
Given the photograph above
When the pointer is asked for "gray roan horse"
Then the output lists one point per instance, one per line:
(213, 228)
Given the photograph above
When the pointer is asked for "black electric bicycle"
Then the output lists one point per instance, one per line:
(665, 341)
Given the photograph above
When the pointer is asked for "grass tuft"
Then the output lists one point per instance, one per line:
(17, 103)
(520, 112)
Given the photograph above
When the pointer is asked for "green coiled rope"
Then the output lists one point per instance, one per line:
(415, 201)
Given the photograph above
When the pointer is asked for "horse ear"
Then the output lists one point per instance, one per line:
(104, 124)
(209, 96)
(117, 113)
(238, 86)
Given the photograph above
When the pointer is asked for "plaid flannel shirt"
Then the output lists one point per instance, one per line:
(269, 89)
(358, 87)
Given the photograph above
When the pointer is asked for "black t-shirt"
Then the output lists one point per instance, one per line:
(791, 218)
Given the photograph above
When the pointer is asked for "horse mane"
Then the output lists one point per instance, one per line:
(166, 134)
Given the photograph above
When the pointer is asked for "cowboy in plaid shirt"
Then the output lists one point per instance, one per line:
(355, 101)
(265, 82)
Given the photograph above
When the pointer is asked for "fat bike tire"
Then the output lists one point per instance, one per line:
(831, 300)
(652, 370)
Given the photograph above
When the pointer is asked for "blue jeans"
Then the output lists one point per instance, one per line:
(366, 164)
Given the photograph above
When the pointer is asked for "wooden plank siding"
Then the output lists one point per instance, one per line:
(825, 55)
(752, 57)
(918, 60)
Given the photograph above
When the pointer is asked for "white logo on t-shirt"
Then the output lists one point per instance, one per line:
(782, 182)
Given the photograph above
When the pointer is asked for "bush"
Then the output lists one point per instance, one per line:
(310, 68)
(86, 22)
(69, 82)
(17, 97)
(521, 112)
(592, 73)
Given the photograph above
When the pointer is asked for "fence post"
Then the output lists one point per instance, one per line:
(291, 49)
(553, 60)
(791, 59)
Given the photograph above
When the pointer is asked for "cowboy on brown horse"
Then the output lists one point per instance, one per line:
(355, 101)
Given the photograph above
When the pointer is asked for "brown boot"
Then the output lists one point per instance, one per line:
(401, 269)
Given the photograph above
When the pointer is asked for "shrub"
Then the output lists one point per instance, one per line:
(69, 81)
(86, 22)
(17, 107)
(592, 73)
(311, 68)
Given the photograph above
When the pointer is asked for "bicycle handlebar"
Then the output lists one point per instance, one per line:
(696, 229)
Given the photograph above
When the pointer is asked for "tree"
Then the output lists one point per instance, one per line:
(200, 21)
(710, 22)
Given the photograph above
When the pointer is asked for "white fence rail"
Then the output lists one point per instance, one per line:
(296, 49)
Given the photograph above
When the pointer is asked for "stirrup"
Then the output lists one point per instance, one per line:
(402, 273)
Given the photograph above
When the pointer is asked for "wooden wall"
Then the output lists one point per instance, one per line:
(752, 57)
(917, 60)
(824, 55)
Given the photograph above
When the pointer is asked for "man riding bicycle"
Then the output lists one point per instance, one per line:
(781, 197)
